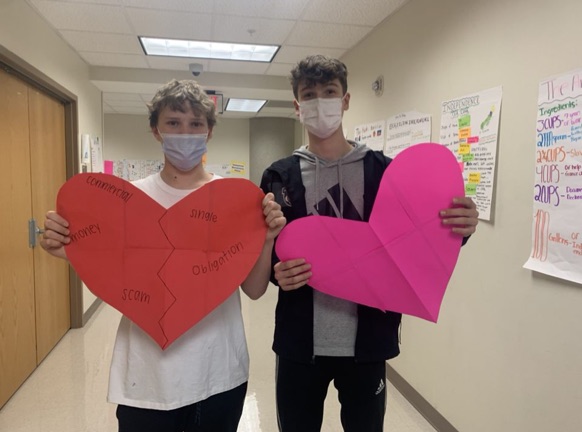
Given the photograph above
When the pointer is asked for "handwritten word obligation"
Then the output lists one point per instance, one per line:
(203, 215)
(111, 188)
(216, 264)
(85, 232)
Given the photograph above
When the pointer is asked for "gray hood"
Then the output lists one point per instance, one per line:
(332, 170)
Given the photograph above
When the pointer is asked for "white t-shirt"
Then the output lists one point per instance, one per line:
(208, 359)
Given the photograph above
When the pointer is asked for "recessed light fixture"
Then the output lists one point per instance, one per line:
(208, 50)
(245, 105)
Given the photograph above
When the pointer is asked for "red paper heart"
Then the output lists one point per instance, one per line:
(163, 269)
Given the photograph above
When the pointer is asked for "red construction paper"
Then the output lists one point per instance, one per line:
(402, 259)
(163, 269)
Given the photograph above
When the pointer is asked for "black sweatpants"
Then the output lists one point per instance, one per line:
(302, 388)
(218, 413)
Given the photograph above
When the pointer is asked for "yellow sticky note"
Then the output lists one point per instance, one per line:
(464, 149)
(475, 177)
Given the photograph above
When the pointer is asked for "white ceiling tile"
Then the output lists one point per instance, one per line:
(174, 63)
(351, 12)
(83, 16)
(200, 6)
(114, 60)
(263, 31)
(102, 42)
(283, 9)
(171, 25)
(242, 67)
(292, 54)
(313, 34)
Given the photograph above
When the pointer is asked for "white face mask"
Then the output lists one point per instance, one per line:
(321, 116)
(184, 151)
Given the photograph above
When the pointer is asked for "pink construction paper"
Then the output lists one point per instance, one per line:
(402, 259)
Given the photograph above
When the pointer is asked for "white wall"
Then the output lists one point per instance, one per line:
(26, 35)
(505, 355)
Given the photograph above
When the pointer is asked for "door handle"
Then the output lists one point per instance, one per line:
(33, 231)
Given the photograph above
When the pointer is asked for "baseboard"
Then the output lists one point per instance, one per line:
(435, 418)
(92, 309)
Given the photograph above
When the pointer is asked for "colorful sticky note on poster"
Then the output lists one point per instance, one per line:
(165, 269)
(402, 259)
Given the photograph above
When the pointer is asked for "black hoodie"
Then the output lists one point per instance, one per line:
(377, 331)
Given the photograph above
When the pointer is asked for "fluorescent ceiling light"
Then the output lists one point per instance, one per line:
(208, 50)
(245, 105)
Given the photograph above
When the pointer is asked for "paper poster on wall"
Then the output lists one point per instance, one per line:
(406, 129)
(85, 155)
(96, 156)
(557, 198)
(231, 169)
(371, 134)
(135, 169)
(470, 129)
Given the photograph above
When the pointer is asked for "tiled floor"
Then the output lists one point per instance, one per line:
(67, 393)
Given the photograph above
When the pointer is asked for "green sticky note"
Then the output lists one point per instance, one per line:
(465, 121)
(468, 157)
(470, 189)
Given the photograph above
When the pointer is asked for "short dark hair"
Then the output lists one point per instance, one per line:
(318, 69)
(175, 94)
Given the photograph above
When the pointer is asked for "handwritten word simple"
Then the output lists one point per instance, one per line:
(216, 264)
(203, 215)
(85, 232)
(135, 296)
(111, 188)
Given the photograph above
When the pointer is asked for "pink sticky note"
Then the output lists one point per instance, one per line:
(402, 259)
(108, 167)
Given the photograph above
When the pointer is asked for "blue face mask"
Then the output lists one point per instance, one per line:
(184, 151)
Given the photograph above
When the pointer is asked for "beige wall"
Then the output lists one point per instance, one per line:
(505, 355)
(129, 137)
(26, 35)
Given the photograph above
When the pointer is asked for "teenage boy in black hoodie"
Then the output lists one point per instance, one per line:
(320, 338)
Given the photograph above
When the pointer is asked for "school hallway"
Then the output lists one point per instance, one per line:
(67, 392)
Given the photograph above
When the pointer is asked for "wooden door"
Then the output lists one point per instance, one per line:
(17, 309)
(34, 286)
(48, 173)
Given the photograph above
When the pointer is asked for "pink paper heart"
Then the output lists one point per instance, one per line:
(164, 269)
(402, 259)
